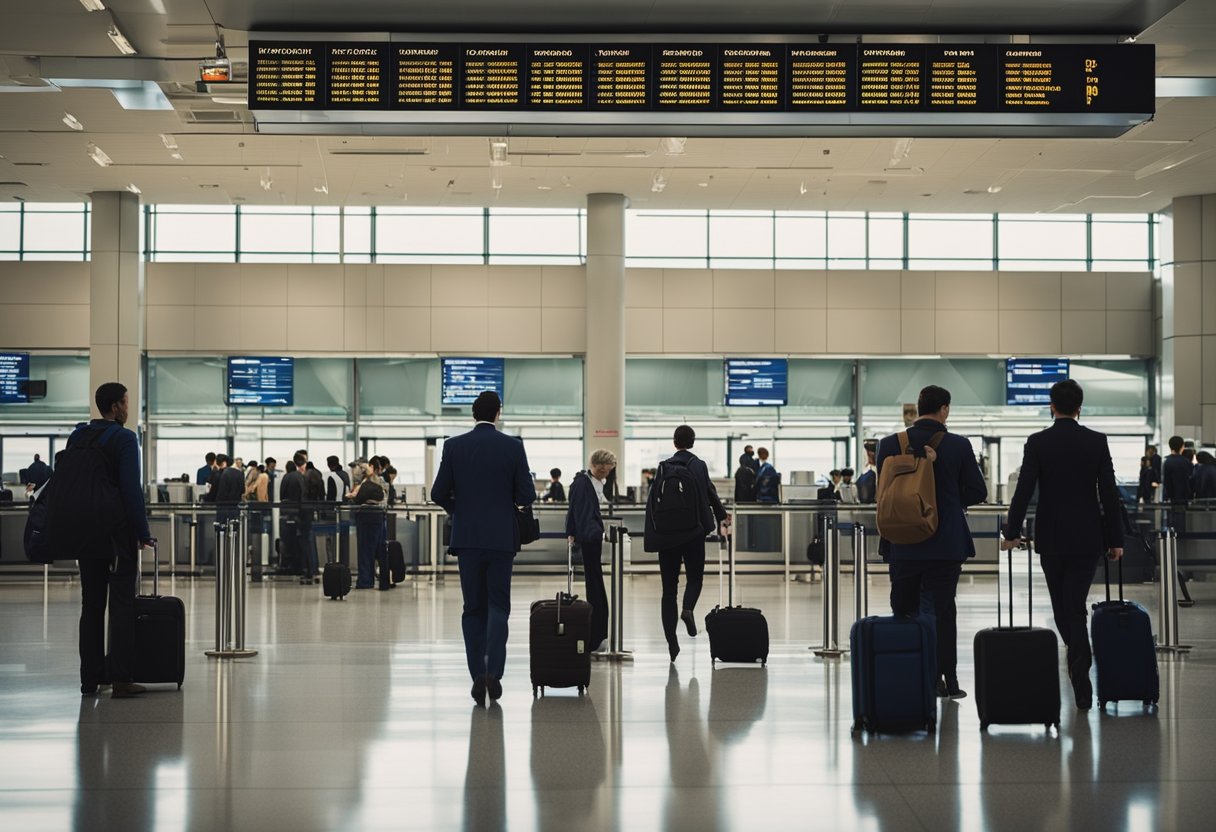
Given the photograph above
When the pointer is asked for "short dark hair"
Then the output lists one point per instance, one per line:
(931, 400)
(1067, 397)
(846, 472)
(333, 462)
(556, 473)
(1176, 443)
(299, 458)
(1145, 460)
(1205, 458)
(270, 461)
(222, 459)
(253, 463)
(1152, 448)
(209, 458)
(835, 472)
(747, 449)
(291, 465)
(684, 437)
(486, 406)
(108, 395)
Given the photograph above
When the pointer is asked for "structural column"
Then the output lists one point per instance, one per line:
(1188, 319)
(604, 380)
(116, 298)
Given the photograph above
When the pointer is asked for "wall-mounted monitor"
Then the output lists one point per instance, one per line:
(757, 382)
(261, 381)
(466, 378)
(14, 377)
(1028, 381)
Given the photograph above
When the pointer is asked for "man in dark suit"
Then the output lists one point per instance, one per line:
(482, 477)
(1176, 474)
(926, 574)
(1077, 519)
(38, 473)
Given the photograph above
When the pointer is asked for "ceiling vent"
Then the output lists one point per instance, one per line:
(214, 116)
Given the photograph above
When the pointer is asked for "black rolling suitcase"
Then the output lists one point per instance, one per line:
(559, 632)
(160, 633)
(1017, 670)
(396, 561)
(1124, 650)
(736, 634)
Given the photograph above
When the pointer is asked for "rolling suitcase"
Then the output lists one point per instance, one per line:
(1017, 669)
(396, 561)
(1124, 650)
(894, 670)
(736, 634)
(160, 633)
(335, 580)
(559, 631)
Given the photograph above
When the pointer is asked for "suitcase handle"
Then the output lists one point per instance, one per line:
(1000, 615)
(139, 572)
(729, 540)
(1106, 573)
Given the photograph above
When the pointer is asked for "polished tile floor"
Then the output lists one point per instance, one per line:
(356, 715)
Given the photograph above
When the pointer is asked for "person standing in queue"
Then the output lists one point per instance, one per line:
(683, 509)
(585, 529)
(483, 476)
(291, 495)
(926, 574)
(369, 496)
(108, 557)
(1078, 517)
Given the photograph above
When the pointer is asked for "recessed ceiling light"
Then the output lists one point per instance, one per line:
(169, 141)
(176, 155)
(702, 184)
(133, 188)
(99, 156)
(544, 187)
(230, 100)
(93, 5)
(120, 40)
(71, 121)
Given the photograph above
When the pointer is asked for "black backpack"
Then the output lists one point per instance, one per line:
(84, 511)
(37, 548)
(675, 509)
(745, 484)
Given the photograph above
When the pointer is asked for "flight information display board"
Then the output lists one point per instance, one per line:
(464, 379)
(14, 377)
(257, 380)
(694, 77)
(1028, 381)
(757, 382)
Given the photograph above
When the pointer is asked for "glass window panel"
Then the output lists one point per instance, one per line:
(8, 255)
(535, 259)
(1052, 218)
(1048, 240)
(448, 233)
(280, 210)
(54, 231)
(1119, 240)
(739, 263)
(10, 231)
(667, 235)
(194, 256)
(357, 232)
(1042, 265)
(399, 387)
(665, 263)
(801, 236)
(195, 232)
(326, 229)
(276, 257)
(839, 263)
(886, 237)
(186, 387)
(820, 263)
(193, 209)
(276, 233)
(951, 265)
(54, 255)
(67, 391)
(1145, 218)
(950, 238)
(886, 264)
(535, 234)
(426, 258)
(1121, 266)
(741, 235)
(846, 236)
(355, 258)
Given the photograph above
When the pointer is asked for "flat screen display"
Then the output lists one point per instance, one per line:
(14, 377)
(757, 382)
(464, 379)
(1028, 381)
(261, 381)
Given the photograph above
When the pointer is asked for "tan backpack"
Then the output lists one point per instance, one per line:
(907, 494)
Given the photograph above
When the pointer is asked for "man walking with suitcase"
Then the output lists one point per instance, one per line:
(482, 477)
(96, 515)
(1078, 518)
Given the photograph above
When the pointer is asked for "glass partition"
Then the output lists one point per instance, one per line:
(68, 395)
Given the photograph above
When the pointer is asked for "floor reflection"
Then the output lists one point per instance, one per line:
(568, 753)
(485, 778)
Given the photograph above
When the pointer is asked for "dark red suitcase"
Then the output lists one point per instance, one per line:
(160, 634)
(559, 632)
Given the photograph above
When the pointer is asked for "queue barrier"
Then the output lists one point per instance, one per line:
(231, 546)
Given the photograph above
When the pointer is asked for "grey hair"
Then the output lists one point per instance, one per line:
(603, 457)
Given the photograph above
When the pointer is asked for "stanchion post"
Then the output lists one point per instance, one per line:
(831, 590)
(861, 574)
(221, 587)
(230, 593)
(618, 537)
(1167, 595)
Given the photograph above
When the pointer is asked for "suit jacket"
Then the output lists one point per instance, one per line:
(1203, 482)
(1078, 513)
(583, 519)
(482, 477)
(1176, 479)
(959, 483)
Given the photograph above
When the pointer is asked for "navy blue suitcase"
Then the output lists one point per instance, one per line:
(894, 673)
(1124, 650)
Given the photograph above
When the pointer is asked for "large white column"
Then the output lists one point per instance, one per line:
(1188, 319)
(116, 298)
(604, 379)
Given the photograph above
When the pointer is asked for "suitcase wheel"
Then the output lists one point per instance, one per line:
(1148, 703)
(983, 726)
(179, 685)
(1101, 705)
(581, 689)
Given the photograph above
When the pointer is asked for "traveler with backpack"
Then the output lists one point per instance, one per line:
(926, 478)
(745, 477)
(683, 508)
(768, 481)
(96, 515)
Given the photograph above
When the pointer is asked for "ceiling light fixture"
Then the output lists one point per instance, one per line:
(176, 155)
(120, 40)
(168, 141)
(93, 5)
(99, 156)
(496, 179)
(266, 182)
(321, 189)
(672, 146)
(71, 121)
(133, 188)
(659, 182)
(802, 189)
(230, 100)
(498, 152)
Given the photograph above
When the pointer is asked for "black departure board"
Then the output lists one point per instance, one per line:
(777, 77)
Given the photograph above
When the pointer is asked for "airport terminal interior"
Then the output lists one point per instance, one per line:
(301, 227)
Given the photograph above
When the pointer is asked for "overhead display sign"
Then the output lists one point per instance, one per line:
(1028, 381)
(807, 82)
(464, 379)
(257, 380)
(14, 377)
(757, 382)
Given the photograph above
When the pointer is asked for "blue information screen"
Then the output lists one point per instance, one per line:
(464, 379)
(757, 382)
(257, 380)
(1028, 381)
(14, 377)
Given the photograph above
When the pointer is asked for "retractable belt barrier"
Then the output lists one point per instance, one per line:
(830, 534)
(230, 592)
(618, 542)
(1167, 594)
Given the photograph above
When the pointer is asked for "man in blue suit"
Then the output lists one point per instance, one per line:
(482, 477)
(931, 569)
